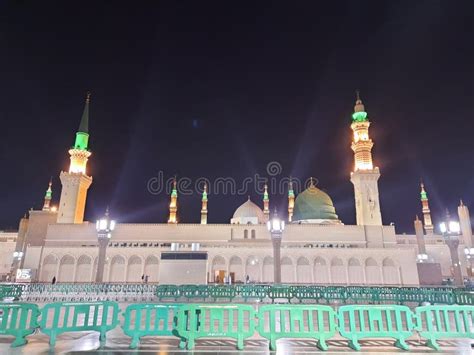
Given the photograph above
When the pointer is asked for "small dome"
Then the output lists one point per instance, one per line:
(248, 212)
(314, 206)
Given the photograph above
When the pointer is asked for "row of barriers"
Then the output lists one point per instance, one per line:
(189, 322)
(291, 293)
(300, 293)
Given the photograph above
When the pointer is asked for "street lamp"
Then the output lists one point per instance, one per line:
(451, 231)
(104, 227)
(275, 227)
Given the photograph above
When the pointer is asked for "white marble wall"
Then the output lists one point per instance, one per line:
(299, 265)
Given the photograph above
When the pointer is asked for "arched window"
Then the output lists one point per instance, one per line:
(246, 234)
(253, 233)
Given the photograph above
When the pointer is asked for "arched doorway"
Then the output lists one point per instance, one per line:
(267, 269)
(48, 271)
(66, 269)
(303, 271)
(287, 270)
(372, 272)
(321, 274)
(356, 272)
(390, 272)
(236, 269)
(338, 271)
(218, 269)
(134, 269)
(83, 269)
(252, 267)
(152, 268)
(117, 269)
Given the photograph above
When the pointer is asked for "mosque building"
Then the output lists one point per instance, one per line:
(317, 247)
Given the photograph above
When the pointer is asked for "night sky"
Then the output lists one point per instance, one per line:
(220, 89)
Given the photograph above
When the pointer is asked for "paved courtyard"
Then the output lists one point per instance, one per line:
(118, 342)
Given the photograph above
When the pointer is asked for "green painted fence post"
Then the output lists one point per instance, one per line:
(18, 320)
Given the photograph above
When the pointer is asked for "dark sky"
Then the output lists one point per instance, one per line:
(220, 89)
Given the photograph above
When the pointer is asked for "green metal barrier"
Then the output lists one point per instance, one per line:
(280, 291)
(335, 293)
(387, 321)
(297, 321)
(10, 290)
(258, 292)
(167, 291)
(19, 320)
(444, 322)
(464, 298)
(62, 317)
(222, 292)
(301, 293)
(215, 321)
(194, 291)
(149, 320)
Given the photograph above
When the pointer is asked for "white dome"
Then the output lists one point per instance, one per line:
(248, 212)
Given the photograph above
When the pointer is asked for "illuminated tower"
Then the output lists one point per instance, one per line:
(173, 204)
(48, 196)
(204, 206)
(365, 176)
(76, 182)
(291, 201)
(426, 210)
(465, 224)
(266, 204)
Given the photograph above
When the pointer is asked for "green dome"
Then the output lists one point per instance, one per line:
(314, 204)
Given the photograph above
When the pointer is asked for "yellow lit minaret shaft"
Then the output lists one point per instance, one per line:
(365, 176)
(291, 200)
(173, 204)
(426, 210)
(361, 144)
(79, 154)
(48, 196)
(204, 206)
(266, 203)
(76, 182)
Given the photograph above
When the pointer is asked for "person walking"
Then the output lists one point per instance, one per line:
(53, 281)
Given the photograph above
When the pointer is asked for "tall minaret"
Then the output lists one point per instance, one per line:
(291, 201)
(204, 206)
(465, 224)
(365, 175)
(420, 237)
(76, 182)
(48, 196)
(173, 204)
(266, 204)
(426, 210)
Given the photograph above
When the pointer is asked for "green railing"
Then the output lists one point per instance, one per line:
(189, 322)
(18, 320)
(167, 292)
(440, 322)
(215, 321)
(193, 293)
(10, 291)
(149, 320)
(62, 317)
(297, 321)
(357, 322)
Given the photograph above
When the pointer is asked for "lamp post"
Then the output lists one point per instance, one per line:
(275, 227)
(104, 227)
(451, 230)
